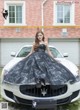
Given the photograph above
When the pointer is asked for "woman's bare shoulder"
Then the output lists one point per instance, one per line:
(46, 43)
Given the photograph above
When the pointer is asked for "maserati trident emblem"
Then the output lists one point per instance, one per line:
(43, 91)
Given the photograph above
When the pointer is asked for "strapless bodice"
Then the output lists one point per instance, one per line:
(41, 47)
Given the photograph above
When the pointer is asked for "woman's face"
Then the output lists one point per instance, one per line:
(40, 36)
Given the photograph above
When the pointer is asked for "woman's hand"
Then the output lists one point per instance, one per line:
(32, 50)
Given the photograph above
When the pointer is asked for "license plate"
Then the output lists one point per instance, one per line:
(42, 103)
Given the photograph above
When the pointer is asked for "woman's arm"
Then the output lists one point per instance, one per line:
(32, 50)
(48, 50)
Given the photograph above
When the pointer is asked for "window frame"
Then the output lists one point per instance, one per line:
(72, 14)
(15, 3)
(15, 17)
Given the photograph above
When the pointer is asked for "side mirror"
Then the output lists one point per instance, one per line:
(13, 54)
(65, 54)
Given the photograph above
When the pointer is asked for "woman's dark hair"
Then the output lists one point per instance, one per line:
(36, 36)
(37, 40)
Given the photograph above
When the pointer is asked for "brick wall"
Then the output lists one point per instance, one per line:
(34, 18)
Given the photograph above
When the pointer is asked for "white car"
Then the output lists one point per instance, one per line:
(38, 98)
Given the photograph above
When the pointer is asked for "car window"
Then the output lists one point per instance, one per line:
(55, 52)
(24, 52)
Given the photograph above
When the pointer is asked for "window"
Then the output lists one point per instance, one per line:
(24, 52)
(55, 52)
(15, 12)
(63, 13)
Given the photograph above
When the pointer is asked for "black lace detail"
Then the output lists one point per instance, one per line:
(39, 65)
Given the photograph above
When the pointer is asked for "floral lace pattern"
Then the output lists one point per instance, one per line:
(39, 65)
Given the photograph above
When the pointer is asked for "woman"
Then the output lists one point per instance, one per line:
(39, 39)
(39, 67)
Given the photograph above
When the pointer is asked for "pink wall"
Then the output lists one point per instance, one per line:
(33, 18)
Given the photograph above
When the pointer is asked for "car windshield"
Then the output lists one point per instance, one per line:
(55, 52)
(25, 51)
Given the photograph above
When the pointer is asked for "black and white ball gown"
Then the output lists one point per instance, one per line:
(39, 65)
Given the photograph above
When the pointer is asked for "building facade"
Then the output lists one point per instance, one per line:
(58, 19)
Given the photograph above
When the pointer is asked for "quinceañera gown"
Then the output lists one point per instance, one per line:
(39, 65)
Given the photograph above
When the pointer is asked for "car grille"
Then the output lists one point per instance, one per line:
(43, 91)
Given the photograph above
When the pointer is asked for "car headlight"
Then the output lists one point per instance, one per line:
(4, 72)
(78, 75)
(78, 72)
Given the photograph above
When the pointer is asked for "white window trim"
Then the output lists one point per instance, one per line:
(6, 4)
(72, 15)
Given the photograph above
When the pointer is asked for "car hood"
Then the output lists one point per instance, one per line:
(68, 64)
(12, 63)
